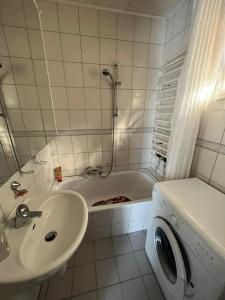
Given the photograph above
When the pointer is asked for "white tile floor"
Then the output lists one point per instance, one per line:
(109, 269)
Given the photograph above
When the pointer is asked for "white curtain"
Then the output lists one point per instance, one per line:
(200, 81)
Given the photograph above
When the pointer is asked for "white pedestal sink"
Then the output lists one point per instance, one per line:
(42, 247)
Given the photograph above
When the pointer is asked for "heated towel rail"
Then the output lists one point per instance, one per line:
(165, 100)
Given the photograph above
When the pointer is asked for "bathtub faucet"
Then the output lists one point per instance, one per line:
(93, 171)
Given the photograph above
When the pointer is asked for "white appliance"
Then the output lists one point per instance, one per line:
(186, 240)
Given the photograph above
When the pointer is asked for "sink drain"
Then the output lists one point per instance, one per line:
(50, 236)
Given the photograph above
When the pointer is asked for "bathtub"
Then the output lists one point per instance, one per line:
(114, 219)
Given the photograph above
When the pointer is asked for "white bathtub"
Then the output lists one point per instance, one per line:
(114, 219)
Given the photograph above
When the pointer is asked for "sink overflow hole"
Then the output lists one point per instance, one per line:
(50, 236)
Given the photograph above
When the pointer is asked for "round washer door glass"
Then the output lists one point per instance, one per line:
(165, 255)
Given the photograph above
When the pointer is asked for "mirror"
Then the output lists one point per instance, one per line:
(26, 113)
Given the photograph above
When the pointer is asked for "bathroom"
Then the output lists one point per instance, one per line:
(102, 105)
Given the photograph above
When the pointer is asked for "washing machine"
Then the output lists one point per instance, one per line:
(186, 240)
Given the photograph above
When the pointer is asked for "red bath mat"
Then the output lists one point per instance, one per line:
(115, 200)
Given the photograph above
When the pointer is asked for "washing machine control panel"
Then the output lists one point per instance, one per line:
(200, 249)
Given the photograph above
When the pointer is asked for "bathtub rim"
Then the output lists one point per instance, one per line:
(56, 186)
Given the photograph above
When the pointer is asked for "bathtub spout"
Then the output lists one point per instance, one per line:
(92, 171)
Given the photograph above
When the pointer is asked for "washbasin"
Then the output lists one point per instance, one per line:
(42, 247)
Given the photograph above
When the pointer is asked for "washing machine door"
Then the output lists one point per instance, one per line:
(167, 260)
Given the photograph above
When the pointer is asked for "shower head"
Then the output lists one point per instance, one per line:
(105, 72)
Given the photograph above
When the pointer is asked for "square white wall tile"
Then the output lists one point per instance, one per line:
(203, 161)
(73, 74)
(36, 45)
(125, 76)
(122, 157)
(81, 160)
(49, 16)
(136, 140)
(6, 70)
(95, 158)
(23, 70)
(48, 119)
(140, 55)
(59, 97)
(121, 215)
(71, 47)
(135, 225)
(53, 45)
(88, 21)
(212, 126)
(138, 99)
(218, 171)
(68, 18)
(137, 118)
(31, 15)
(93, 119)
(3, 47)
(155, 56)
(158, 28)
(66, 161)
(139, 78)
(56, 73)
(123, 120)
(77, 119)
(106, 98)
(90, 49)
(125, 27)
(32, 120)
(124, 99)
(80, 144)
(134, 156)
(62, 119)
(12, 14)
(28, 97)
(64, 144)
(120, 228)
(141, 29)
(92, 98)
(9, 93)
(91, 75)
(94, 143)
(124, 53)
(102, 218)
(40, 72)
(75, 98)
(107, 51)
(44, 97)
(180, 18)
(152, 78)
(107, 24)
(17, 40)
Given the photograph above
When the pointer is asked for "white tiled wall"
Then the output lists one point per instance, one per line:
(24, 84)
(178, 29)
(80, 42)
(122, 220)
(209, 158)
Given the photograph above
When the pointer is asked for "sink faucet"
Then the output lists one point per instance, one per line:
(23, 214)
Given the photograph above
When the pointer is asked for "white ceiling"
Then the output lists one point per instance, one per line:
(154, 7)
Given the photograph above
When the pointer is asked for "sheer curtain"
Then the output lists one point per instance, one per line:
(200, 81)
